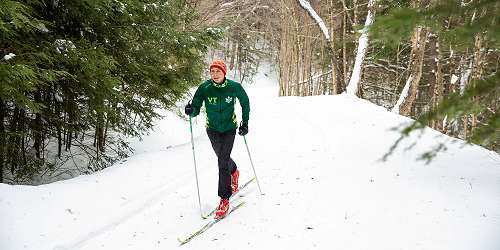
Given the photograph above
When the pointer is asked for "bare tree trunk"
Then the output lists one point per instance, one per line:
(2, 139)
(354, 82)
(68, 140)
(438, 88)
(477, 72)
(355, 10)
(37, 127)
(345, 20)
(307, 62)
(13, 144)
(415, 68)
(100, 139)
(298, 56)
(286, 49)
(465, 72)
(473, 71)
(331, 48)
(344, 47)
(283, 57)
(338, 83)
(233, 46)
(106, 127)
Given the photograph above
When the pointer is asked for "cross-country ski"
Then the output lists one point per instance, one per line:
(233, 195)
(207, 226)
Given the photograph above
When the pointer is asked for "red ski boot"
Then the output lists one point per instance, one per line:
(222, 210)
(234, 180)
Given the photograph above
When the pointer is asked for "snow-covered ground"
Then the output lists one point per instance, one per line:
(317, 160)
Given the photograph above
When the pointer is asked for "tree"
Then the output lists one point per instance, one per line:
(410, 90)
(337, 81)
(90, 69)
(353, 85)
(464, 27)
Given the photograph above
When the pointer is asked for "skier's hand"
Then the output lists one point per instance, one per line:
(243, 130)
(188, 110)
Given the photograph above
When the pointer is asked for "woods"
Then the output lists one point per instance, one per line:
(77, 76)
(434, 61)
(84, 74)
(421, 58)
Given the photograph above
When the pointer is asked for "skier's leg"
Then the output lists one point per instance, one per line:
(222, 143)
(226, 164)
(216, 141)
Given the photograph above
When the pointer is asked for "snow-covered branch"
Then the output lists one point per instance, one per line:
(403, 96)
(307, 6)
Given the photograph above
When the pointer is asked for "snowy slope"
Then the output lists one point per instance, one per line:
(317, 159)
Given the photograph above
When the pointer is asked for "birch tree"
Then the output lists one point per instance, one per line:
(410, 90)
(353, 86)
(438, 87)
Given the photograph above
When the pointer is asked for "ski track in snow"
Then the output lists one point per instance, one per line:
(281, 195)
(136, 205)
(133, 207)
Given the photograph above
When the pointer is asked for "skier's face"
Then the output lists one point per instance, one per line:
(217, 74)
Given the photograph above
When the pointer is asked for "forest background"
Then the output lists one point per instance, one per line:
(78, 77)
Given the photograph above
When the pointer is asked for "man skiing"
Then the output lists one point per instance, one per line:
(219, 95)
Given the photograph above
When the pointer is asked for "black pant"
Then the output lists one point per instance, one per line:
(222, 143)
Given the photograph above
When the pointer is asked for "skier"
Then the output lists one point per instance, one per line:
(219, 95)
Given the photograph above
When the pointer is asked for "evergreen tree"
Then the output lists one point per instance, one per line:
(90, 69)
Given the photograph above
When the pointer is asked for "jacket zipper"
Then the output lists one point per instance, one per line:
(220, 111)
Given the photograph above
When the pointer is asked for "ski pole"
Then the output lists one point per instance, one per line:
(194, 160)
(251, 162)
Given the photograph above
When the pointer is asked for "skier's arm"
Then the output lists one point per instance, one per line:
(245, 105)
(197, 101)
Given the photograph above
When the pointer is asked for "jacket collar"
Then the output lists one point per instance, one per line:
(217, 85)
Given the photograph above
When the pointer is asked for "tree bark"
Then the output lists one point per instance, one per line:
(2, 139)
(478, 67)
(415, 69)
(37, 128)
(330, 52)
(438, 88)
(344, 46)
(354, 82)
(338, 83)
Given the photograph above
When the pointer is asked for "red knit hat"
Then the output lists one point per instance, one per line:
(219, 64)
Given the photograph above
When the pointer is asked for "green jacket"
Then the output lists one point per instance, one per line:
(219, 103)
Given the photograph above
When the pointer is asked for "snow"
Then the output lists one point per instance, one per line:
(146, 6)
(324, 187)
(58, 98)
(227, 4)
(454, 79)
(63, 45)
(464, 78)
(41, 27)
(9, 56)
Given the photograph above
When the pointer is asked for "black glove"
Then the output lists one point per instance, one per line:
(188, 110)
(243, 130)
